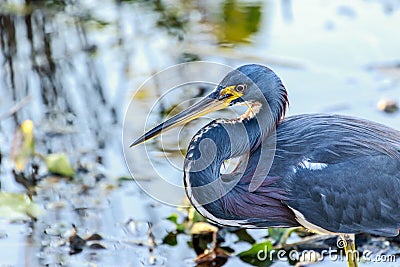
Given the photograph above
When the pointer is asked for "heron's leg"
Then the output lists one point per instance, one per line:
(349, 245)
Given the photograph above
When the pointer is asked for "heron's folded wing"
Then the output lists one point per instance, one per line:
(359, 195)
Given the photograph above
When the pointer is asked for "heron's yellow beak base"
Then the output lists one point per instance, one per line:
(228, 94)
(201, 108)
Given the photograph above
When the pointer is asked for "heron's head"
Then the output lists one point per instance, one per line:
(253, 85)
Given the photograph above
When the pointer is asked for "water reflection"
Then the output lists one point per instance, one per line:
(73, 66)
(239, 21)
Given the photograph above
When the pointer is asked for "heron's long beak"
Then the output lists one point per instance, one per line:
(201, 108)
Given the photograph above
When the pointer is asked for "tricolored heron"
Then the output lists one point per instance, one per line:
(328, 173)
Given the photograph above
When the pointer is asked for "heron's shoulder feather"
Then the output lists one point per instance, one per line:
(334, 137)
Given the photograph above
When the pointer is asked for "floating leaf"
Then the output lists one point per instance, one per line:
(244, 236)
(97, 246)
(15, 206)
(173, 218)
(276, 233)
(125, 178)
(170, 239)
(195, 216)
(280, 235)
(94, 237)
(59, 164)
(23, 145)
(259, 254)
(179, 226)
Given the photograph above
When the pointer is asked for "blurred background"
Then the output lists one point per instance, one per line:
(70, 68)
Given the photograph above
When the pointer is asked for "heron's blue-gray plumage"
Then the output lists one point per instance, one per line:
(261, 208)
(358, 188)
(341, 173)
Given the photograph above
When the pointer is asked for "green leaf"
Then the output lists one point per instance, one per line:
(259, 254)
(197, 217)
(276, 233)
(125, 178)
(15, 206)
(173, 218)
(170, 239)
(244, 236)
(179, 226)
(280, 235)
(58, 163)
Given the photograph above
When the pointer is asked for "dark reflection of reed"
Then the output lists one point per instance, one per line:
(8, 47)
(37, 60)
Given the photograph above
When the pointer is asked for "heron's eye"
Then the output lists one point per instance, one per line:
(240, 88)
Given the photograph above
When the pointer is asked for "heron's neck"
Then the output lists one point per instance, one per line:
(221, 140)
